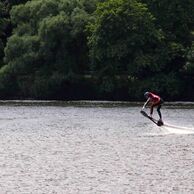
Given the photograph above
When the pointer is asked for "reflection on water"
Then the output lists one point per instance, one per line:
(94, 148)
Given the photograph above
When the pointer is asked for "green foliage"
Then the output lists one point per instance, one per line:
(59, 28)
(96, 49)
(49, 37)
(21, 54)
(170, 86)
(1, 53)
(14, 2)
(8, 83)
(189, 67)
(44, 87)
(175, 18)
(3, 24)
(123, 37)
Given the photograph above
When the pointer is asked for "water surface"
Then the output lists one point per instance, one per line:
(94, 148)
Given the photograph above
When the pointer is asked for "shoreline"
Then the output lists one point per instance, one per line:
(89, 103)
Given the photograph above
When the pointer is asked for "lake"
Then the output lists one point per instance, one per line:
(95, 147)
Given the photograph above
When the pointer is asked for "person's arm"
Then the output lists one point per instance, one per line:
(151, 110)
(148, 100)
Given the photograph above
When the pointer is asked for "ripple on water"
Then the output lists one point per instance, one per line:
(112, 149)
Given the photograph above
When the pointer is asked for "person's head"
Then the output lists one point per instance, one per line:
(146, 94)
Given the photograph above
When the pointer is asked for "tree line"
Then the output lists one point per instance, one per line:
(96, 49)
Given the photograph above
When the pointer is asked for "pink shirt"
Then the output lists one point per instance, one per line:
(154, 98)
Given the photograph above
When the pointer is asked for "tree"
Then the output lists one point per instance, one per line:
(5, 24)
(49, 39)
(189, 67)
(2, 28)
(59, 27)
(123, 37)
(15, 2)
(175, 18)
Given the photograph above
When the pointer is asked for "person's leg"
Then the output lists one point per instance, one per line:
(158, 105)
(151, 110)
(158, 110)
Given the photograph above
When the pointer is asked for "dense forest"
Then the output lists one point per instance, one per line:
(96, 49)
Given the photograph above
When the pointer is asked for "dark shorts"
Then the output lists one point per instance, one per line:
(159, 103)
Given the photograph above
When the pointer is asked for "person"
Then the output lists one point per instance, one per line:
(154, 101)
